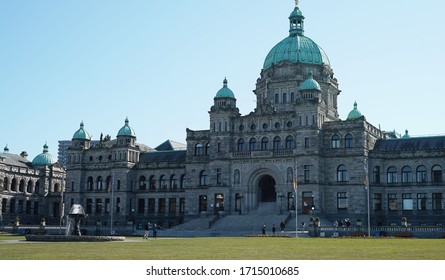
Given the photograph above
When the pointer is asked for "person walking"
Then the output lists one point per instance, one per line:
(155, 231)
(147, 231)
(282, 226)
(263, 230)
(273, 229)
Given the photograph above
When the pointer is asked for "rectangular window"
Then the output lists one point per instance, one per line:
(376, 175)
(307, 173)
(20, 207)
(437, 201)
(89, 209)
(107, 205)
(182, 205)
(342, 200)
(98, 205)
(422, 201)
(151, 205)
(12, 206)
(172, 205)
(28, 207)
(219, 147)
(141, 205)
(4, 200)
(218, 176)
(306, 142)
(377, 202)
(392, 202)
(407, 202)
(161, 205)
(36, 208)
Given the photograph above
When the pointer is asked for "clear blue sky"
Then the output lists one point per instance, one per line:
(161, 63)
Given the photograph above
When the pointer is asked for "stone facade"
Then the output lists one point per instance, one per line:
(341, 168)
(29, 193)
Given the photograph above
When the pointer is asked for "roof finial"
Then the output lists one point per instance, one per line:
(296, 3)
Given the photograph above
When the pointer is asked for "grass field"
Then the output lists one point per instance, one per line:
(244, 248)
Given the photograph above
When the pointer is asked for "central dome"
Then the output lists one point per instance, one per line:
(296, 48)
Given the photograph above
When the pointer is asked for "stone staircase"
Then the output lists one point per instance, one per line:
(248, 224)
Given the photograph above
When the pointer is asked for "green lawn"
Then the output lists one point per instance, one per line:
(244, 248)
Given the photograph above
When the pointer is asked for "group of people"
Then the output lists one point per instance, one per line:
(341, 223)
(282, 226)
(147, 231)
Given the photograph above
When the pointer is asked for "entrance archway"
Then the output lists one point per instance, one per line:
(267, 189)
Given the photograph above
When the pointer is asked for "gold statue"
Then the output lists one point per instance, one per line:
(296, 3)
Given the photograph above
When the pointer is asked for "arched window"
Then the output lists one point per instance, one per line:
(284, 97)
(162, 182)
(407, 175)
(277, 98)
(173, 182)
(392, 175)
(421, 174)
(277, 143)
(198, 149)
(241, 143)
(236, 177)
(203, 178)
(90, 183)
(182, 182)
(14, 185)
(436, 174)
(252, 144)
(290, 144)
(152, 183)
(376, 175)
(335, 142)
(348, 141)
(292, 97)
(109, 183)
(342, 174)
(22, 186)
(37, 188)
(142, 183)
(99, 185)
(29, 186)
(264, 143)
(207, 149)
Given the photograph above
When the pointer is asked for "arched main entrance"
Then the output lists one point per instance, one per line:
(267, 189)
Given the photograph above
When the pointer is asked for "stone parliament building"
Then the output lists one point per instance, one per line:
(244, 162)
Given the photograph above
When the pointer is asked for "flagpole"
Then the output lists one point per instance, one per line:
(112, 202)
(367, 195)
(296, 200)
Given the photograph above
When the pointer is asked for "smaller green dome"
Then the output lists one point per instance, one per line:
(126, 130)
(406, 136)
(355, 113)
(310, 84)
(44, 158)
(81, 134)
(225, 92)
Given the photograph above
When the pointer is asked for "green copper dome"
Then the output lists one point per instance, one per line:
(81, 134)
(355, 113)
(225, 92)
(44, 158)
(296, 48)
(310, 84)
(126, 130)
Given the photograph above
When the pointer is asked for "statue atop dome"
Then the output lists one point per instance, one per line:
(296, 3)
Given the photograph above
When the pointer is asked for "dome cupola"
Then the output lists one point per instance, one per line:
(355, 113)
(296, 48)
(81, 134)
(44, 158)
(310, 83)
(126, 130)
(225, 92)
